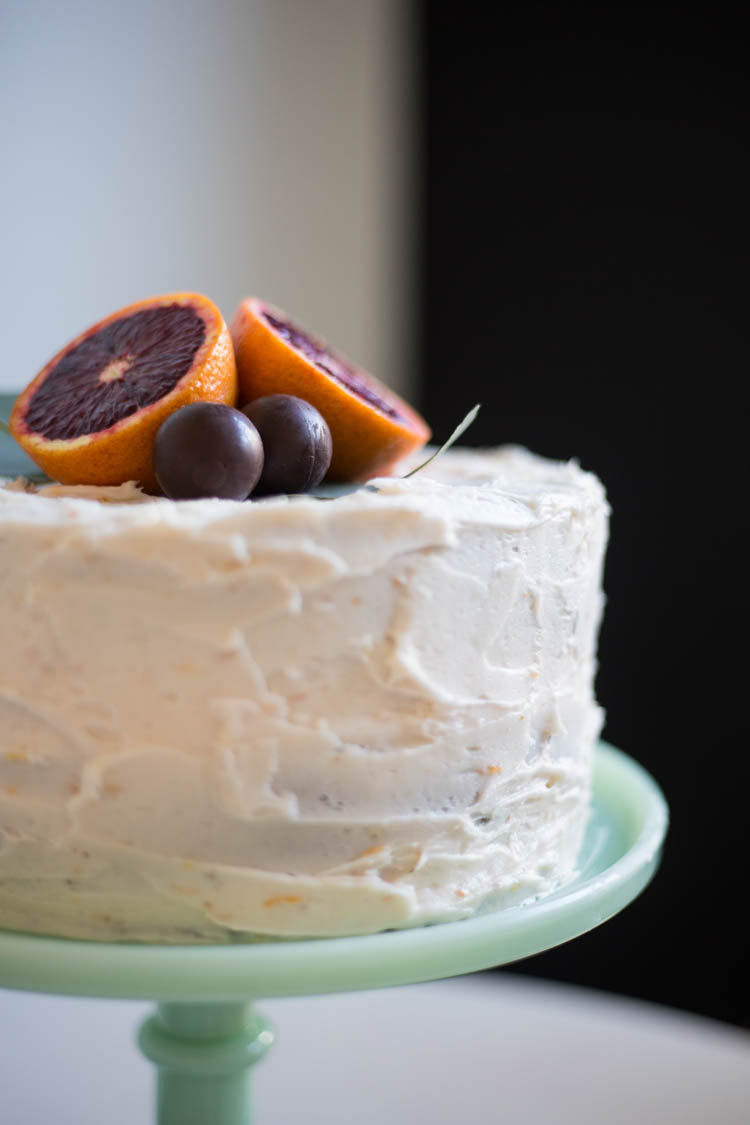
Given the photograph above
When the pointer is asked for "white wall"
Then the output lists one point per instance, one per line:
(231, 147)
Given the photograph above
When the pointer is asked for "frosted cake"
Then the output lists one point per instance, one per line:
(298, 717)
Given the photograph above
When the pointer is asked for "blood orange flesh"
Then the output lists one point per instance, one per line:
(127, 364)
(91, 414)
(333, 363)
(372, 428)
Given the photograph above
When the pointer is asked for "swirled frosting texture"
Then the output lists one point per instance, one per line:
(297, 717)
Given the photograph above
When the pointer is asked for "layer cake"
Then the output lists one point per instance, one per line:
(299, 717)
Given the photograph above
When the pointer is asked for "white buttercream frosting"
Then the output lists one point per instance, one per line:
(300, 716)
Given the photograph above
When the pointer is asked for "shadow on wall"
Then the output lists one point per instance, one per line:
(584, 276)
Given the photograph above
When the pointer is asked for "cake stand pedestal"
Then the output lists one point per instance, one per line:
(205, 1035)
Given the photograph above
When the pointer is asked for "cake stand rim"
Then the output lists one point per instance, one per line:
(624, 792)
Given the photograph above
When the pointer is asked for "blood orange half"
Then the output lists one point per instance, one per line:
(91, 414)
(372, 428)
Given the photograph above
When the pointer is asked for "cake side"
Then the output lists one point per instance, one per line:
(297, 717)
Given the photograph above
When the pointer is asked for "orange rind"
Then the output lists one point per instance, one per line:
(91, 414)
(372, 428)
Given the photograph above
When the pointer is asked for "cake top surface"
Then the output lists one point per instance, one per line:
(508, 485)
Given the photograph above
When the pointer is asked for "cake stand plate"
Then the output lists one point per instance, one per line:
(205, 1034)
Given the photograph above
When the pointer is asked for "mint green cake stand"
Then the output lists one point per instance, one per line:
(205, 1035)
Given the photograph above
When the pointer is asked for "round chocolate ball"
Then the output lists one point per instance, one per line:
(207, 449)
(296, 443)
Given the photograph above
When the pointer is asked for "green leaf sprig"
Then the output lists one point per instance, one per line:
(460, 429)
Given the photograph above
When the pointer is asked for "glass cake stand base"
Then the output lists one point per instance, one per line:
(205, 1034)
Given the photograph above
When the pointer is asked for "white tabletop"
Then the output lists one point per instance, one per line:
(489, 1048)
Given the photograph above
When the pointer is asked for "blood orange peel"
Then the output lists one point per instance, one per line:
(372, 428)
(91, 414)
